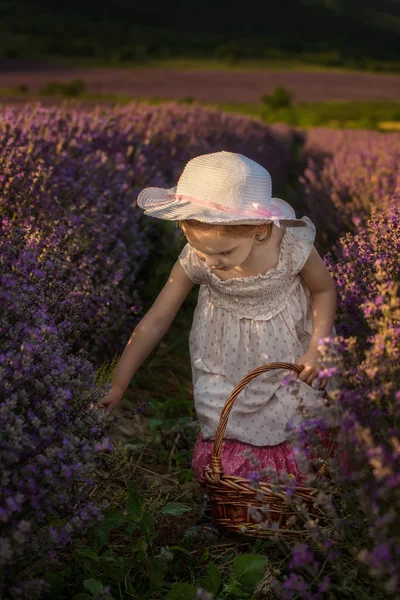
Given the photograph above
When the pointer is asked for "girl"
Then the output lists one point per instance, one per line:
(265, 296)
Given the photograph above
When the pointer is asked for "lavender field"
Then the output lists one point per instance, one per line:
(74, 269)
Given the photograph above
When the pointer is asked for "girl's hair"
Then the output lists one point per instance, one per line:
(239, 230)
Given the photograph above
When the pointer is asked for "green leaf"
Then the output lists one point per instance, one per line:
(54, 521)
(181, 550)
(181, 591)
(146, 525)
(139, 545)
(113, 518)
(248, 570)
(133, 503)
(175, 509)
(109, 554)
(82, 596)
(57, 583)
(157, 569)
(212, 581)
(82, 551)
(154, 422)
(227, 557)
(205, 555)
(100, 537)
(257, 545)
(237, 591)
(129, 531)
(94, 586)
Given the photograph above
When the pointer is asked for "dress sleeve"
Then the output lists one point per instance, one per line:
(192, 265)
(301, 241)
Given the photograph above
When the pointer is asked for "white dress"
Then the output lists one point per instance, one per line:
(242, 323)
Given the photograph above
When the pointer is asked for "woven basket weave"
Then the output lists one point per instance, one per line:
(231, 497)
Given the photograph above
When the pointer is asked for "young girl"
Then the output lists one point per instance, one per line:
(265, 296)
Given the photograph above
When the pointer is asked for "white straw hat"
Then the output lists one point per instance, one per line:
(220, 188)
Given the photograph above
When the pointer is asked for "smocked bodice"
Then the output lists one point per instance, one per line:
(256, 296)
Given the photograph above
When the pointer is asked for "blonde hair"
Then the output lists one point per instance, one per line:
(237, 230)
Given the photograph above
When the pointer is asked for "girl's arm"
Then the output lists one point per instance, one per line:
(323, 294)
(152, 328)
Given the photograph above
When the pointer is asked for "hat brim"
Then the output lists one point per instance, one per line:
(157, 203)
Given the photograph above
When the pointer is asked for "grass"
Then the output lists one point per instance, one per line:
(333, 114)
(165, 379)
(304, 63)
(371, 115)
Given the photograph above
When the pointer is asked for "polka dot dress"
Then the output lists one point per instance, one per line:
(242, 323)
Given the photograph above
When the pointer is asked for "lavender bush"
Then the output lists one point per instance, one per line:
(71, 248)
(51, 430)
(76, 176)
(360, 559)
(351, 184)
(347, 173)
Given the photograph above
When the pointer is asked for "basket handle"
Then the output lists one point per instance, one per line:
(216, 462)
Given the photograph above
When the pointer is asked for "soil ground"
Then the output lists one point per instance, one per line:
(206, 84)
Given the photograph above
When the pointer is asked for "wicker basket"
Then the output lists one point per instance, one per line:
(231, 496)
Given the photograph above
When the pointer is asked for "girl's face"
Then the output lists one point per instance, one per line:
(222, 252)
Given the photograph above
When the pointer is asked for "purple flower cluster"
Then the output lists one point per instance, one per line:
(50, 426)
(75, 177)
(354, 263)
(71, 246)
(352, 192)
(348, 172)
(367, 276)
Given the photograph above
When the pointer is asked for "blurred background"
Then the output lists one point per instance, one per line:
(304, 62)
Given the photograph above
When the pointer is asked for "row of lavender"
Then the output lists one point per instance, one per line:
(71, 249)
(351, 189)
(347, 172)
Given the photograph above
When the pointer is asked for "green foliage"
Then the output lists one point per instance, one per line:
(105, 373)
(186, 100)
(104, 376)
(81, 30)
(122, 554)
(174, 509)
(280, 98)
(182, 591)
(22, 88)
(230, 53)
(94, 586)
(332, 114)
(248, 570)
(121, 557)
(55, 88)
(122, 548)
(213, 580)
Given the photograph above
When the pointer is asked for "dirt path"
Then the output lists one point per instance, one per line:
(209, 85)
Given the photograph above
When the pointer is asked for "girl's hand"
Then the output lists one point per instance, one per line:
(311, 368)
(112, 399)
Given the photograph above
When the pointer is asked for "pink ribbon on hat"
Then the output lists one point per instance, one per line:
(245, 212)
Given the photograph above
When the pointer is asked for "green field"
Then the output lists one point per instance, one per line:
(303, 62)
(371, 115)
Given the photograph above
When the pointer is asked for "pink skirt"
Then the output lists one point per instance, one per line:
(280, 457)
